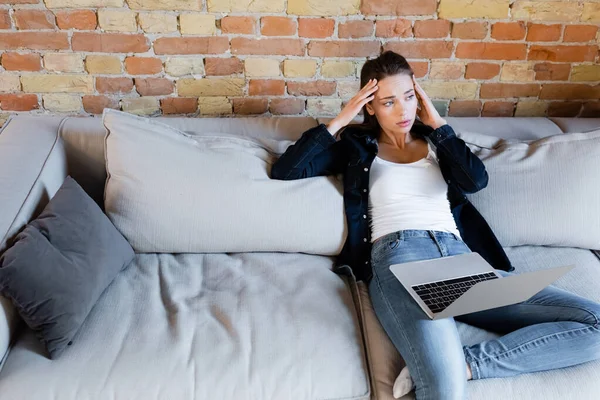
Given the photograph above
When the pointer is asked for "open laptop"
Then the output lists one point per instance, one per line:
(466, 283)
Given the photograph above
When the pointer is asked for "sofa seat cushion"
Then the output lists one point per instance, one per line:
(206, 326)
(582, 381)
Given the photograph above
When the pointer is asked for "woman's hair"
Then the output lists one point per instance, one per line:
(387, 64)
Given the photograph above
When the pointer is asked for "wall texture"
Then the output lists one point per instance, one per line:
(297, 57)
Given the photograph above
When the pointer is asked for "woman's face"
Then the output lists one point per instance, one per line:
(395, 104)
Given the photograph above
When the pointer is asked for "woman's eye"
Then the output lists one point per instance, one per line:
(411, 96)
(388, 103)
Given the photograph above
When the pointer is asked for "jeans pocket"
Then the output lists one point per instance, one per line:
(385, 248)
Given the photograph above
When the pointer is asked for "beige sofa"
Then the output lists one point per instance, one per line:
(265, 325)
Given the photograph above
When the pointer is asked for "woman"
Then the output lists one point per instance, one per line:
(406, 202)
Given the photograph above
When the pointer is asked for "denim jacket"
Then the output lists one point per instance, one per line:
(318, 153)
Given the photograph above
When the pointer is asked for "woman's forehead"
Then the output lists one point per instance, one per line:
(395, 85)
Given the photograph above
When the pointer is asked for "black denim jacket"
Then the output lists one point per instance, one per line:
(317, 153)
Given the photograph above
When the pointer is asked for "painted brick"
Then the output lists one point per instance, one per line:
(493, 9)
(210, 87)
(546, 11)
(585, 73)
(167, 5)
(406, 7)
(214, 106)
(181, 66)
(447, 70)
(62, 103)
(337, 69)
(50, 83)
(517, 72)
(261, 67)
(323, 8)
(96, 64)
(531, 108)
(191, 45)
(9, 83)
(63, 62)
(450, 90)
(197, 24)
(117, 20)
(590, 12)
(157, 22)
(299, 68)
(324, 107)
(141, 105)
(251, 6)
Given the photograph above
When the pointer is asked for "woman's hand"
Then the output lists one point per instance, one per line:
(426, 111)
(353, 107)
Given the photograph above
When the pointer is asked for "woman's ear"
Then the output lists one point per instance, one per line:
(370, 109)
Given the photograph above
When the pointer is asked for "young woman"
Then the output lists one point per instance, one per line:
(404, 195)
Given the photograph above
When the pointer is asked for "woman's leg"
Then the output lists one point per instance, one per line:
(553, 329)
(432, 349)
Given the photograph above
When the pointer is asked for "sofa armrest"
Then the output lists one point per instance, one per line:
(32, 168)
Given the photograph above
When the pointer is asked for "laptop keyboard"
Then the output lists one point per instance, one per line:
(440, 294)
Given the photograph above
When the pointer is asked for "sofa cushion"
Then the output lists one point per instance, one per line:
(582, 380)
(60, 264)
(266, 326)
(171, 192)
(542, 192)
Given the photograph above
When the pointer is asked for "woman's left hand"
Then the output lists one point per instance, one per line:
(426, 111)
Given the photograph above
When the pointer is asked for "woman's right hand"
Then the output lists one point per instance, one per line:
(353, 107)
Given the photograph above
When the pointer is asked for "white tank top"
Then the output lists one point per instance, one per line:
(409, 196)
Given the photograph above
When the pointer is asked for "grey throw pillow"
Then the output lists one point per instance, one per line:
(60, 264)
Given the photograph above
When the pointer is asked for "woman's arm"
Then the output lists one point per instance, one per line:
(316, 153)
(465, 169)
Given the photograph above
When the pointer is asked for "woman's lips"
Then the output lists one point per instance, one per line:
(404, 123)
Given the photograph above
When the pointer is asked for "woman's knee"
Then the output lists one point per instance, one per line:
(448, 385)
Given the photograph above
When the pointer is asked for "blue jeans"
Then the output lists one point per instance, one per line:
(553, 329)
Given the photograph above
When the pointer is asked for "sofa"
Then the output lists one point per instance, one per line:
(236, 325)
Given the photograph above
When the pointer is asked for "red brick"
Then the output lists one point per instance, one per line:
(580, 33)
(240, 25)
(114, 85)
(21, 62)
(570, 91)
(313, 88)
(432, 28)
(143, 65)
(344, 48)
(317, 28)
(287, 106)
(266, 87)
(223, 66)
(191, 45)
(464, 108)
(278, 26)
(491, 51)
(34, 41)
(289, 47)
(406, 7)
(422, 48)
(543, 32)
(355, 29)
(477, 70)
(508, 31)
(84, 20)
(109, 42)
(591, 109)
(393, 28)
(179, 105)
(552, 72)
(5, 22)
(154, 86)
(504, 90)
(564, 108)
(97, 104)
(34, 19)
(498, 109)
(250, 106)
(469, 30)
(419, 68)
(19, 102)
(562, 53)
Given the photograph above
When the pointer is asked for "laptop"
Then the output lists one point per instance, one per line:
(466, 283)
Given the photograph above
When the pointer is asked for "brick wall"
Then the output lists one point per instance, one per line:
(296, 57)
